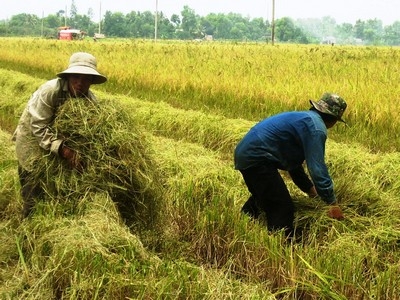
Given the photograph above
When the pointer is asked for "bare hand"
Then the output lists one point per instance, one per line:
(72, 158)
(335, 212)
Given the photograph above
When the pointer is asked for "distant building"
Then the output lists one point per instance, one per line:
(329, 40)
(99, 36)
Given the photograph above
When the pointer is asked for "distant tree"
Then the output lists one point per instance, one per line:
(189, 23)
(176, 20)
(115, 24)
(90, 13)
(373, 31)
(24, 24)
(328, 26)
(359, 29)
(392, 34)
(345, 32)
(4, 31)
(207, 27)
(224, 27)
(52, 21)
(63, 18)
(240, 27)
(73, 13)
(209, 24)
(166, 30)
(73, 10)
(147, 28)
(133, 24)
(50, 24)
(238, 31)
(258, 29)
(60, 14)
(286, 31)
(84, 23)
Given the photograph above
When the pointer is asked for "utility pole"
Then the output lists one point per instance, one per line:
(100, 19)
(273, 23)
(41, 34)
(65, 17)
(156, 22)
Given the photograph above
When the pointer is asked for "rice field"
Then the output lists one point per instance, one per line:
(170, 117)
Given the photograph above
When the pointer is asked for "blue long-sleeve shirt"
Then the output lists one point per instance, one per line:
(286, 140)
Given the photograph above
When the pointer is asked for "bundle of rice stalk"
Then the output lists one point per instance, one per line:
(116, 156)
(79, 258)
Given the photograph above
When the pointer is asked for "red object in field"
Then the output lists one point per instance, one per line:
(66, 33)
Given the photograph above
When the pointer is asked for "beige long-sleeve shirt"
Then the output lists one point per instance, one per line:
(34, 135)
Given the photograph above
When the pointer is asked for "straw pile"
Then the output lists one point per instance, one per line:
(116, 156)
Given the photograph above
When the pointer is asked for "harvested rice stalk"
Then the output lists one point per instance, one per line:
(117, 159)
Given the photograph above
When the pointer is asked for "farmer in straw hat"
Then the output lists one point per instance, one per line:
(34, 135)
(284, 142)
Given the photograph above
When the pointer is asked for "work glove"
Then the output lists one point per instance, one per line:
(335, 212)
(312, 193)
(72, 158)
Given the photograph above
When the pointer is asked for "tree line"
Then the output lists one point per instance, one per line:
(189, 26)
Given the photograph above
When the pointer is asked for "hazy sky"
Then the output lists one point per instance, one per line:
(340, 10)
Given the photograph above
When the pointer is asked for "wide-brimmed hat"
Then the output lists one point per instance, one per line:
(83, 63)
(331, 104)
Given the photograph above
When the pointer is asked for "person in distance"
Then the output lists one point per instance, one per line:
(34, 136)
(283, 142)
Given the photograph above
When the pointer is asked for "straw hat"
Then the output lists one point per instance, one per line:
(83, 63)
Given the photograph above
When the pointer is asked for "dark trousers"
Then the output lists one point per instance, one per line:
(30, 191)
(270, 195)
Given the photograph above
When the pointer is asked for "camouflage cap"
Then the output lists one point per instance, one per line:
(331, 104)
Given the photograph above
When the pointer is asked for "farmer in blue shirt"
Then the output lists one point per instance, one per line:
(283, 142)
